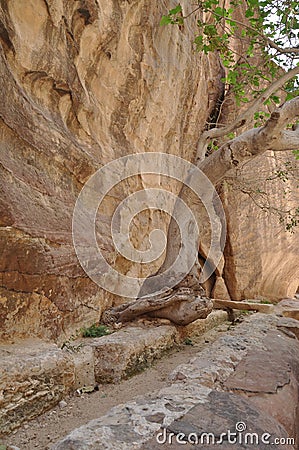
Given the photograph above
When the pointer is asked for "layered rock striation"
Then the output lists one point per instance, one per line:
(82, 84)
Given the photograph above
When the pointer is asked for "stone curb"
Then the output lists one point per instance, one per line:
(35, 375)
(135, 425)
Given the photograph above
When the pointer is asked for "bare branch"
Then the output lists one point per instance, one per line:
(192, 12)
(246, 115)
(256, 141)
(268, 41)
(284, 51)
(273, 133)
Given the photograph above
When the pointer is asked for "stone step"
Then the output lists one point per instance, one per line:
(245, 382)
(289, 307)
(243, 306)
(132, 349)
(127, 352)
(35, 375)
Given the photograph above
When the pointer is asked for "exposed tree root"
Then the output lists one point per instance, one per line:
(181, 306)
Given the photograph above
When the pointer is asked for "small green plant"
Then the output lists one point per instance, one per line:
(3, 447)
(266, 302)
(188, 341)
(246, 312)
(95, 331)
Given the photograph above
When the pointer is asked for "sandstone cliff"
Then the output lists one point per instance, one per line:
(83, 83)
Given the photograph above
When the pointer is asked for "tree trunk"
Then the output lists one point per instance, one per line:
(187, 301)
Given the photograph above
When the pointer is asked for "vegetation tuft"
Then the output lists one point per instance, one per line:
(95, 331)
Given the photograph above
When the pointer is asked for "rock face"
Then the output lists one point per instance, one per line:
(261, 257)
(85, 83)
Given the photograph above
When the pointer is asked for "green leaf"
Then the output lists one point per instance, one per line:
(249, 13)
(166, 20)
(220, 11)
(226, 62)
(289, 96)
(175, 10)
(210, 30)
(231, 135)
(198, 40)
(275, 99)
(253, 3)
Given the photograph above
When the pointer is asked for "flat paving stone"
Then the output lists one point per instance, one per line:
(198, 400)
(290, 324)
(128, 351)
(227, 421)
(266, 370)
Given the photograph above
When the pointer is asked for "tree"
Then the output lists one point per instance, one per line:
(244, 34)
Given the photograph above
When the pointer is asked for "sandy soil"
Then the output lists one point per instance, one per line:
(43, 431)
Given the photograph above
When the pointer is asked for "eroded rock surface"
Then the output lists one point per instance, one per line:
(84, 83)
(34, 376)
(261, 257)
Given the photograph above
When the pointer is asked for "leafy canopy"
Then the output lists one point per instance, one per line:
(258, 43)
(269, 28)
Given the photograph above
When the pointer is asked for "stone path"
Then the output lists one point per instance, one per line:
(245, 381)
(37, 375)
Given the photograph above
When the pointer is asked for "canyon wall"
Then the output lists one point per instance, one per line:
(261, 256)
(82, 84)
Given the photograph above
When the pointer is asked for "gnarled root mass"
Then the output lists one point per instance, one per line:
(181, 306)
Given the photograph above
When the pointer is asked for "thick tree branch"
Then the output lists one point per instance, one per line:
(181, 306)
(245, 116)
(287, 140)
(273, 135)
(256, 141)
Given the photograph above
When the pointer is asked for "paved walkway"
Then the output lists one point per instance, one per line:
(243, 388)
